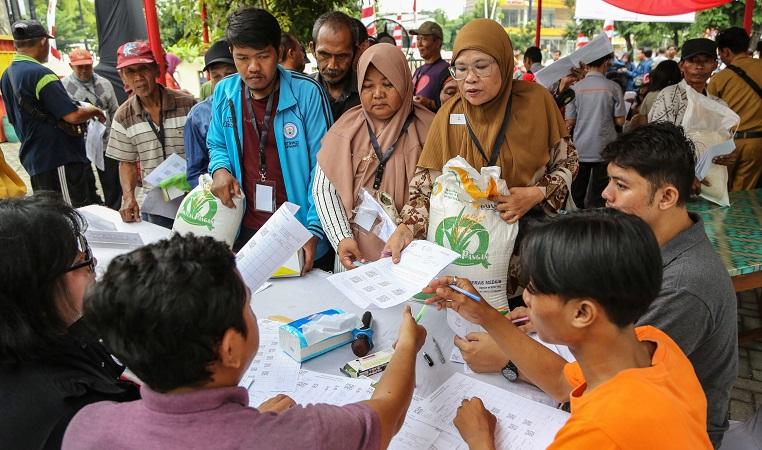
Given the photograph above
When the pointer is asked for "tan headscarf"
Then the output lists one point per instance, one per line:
(534, 127)
(347, 157)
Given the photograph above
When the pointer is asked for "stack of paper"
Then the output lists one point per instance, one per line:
(315, 387)
(596, 49)
(385, 284)
(272, 371)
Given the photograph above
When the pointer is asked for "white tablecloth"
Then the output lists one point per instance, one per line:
(297, 297)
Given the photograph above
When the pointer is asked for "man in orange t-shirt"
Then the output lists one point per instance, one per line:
(589, 276)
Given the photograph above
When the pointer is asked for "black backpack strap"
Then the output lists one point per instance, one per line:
(740, 72)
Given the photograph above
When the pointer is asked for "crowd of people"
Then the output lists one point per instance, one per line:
(631, 285)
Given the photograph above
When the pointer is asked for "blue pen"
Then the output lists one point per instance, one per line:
(465, 292)
(357, 263)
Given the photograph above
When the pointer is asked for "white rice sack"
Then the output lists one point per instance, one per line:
(463, 219)
(203, 214)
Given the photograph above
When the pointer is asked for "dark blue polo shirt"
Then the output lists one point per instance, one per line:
(44, 146)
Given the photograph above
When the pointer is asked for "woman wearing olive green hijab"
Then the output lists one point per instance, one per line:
(534, 152)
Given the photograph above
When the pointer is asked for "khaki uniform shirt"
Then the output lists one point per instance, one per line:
(739, 96)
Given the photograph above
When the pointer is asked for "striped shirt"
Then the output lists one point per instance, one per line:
(132, 138)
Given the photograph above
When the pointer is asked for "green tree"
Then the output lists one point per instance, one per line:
(450, 27)
(180, 20)
(71, 30)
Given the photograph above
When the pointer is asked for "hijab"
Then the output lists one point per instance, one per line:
(347, 157)
(535, 123)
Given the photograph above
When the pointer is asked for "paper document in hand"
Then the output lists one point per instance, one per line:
(278, 239)
(315, 387)
(94, 143)
(705, 159)
(385, 284)
(173, 165)
(599, 47)
(522, 424)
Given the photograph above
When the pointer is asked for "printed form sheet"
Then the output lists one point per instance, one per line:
(315, 387)
(173, 165)
(385, 284)
(272, 371)
(278, 239)
(522, 424)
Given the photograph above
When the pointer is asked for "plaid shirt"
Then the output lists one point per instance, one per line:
(98, 92)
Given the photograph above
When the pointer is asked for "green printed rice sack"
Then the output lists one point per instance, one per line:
(463, 219)
(203, 214)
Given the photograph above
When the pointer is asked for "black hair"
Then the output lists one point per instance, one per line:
(163, 309)
(734, 38)
(660, 152)
(662, 50)
(601, 254)
(38, 238)
(27, 43)
(601, 61)
(335, 20)
(647, 51)
(254, 28)
(534, 54)
(665, 74)
(362, 32)
(288, 41)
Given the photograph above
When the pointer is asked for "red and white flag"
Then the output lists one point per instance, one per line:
(397, 34)
(608, 28)
(582, 40)
(368, 17)
(51, 18)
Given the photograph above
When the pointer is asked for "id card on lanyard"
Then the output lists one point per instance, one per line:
(264, 189)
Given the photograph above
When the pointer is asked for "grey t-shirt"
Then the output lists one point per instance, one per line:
(697, 309)
(596, 102)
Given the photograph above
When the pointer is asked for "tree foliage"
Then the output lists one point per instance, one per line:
(180, 20)
(450, 27)
(70, 32)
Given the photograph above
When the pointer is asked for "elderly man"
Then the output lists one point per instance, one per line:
(427, 79)
(44, 117)
(739, 86)
(85, 86)
(147, 128)
(334, 43)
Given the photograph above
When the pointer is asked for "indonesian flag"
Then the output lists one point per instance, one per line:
(369, 16)
(582, 40)
(608, 28)
(397, 34)
(51, 18)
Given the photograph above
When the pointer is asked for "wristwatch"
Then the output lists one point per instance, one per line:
(510, 372)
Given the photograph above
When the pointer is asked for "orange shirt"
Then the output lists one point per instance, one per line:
(657, 407)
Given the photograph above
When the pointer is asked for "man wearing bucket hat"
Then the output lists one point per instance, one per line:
(148, 127)
(218, 61)
(47, 121)
(85, 86)
(427, 79)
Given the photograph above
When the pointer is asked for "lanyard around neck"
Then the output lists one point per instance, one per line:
(159, 133)
(383, 158)
(261, 136)
(498, 141)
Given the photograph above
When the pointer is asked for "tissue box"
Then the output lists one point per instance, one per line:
(292, 267)
(293, 342)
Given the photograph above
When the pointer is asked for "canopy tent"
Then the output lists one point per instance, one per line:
(601, 10)
(668, 7)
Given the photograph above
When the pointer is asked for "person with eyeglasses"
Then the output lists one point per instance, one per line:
(493, 120)
(51, 364)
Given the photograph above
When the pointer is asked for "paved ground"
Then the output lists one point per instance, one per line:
(747, 393)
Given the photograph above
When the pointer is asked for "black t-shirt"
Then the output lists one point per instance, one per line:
(44, 146)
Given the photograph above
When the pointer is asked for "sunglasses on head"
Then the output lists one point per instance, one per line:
(89, 260)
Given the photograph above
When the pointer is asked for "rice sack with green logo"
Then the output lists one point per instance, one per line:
(464, 219)
(203, 214)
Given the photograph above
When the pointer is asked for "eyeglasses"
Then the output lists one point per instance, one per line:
(89, 260)
(482, 69)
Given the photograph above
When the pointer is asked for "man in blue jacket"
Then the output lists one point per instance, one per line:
(266, 128)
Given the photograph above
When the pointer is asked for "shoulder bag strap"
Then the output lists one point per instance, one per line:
(740, 72)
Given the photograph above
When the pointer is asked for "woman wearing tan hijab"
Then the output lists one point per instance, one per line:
(387, 126)
(493, 120)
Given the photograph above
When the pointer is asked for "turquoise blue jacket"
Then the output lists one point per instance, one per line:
(301, 120)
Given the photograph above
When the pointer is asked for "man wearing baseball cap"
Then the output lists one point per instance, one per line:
(427, 79)
(45, 119)
(148, 127)
(85, 86)
(697, 63)
(218, 61)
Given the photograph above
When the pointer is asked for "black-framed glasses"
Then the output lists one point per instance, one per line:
(89, 260)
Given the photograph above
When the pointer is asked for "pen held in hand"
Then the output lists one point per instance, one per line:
(473, 297)
(520, 320)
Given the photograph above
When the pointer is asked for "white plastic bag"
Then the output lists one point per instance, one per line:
(203, 214)
(708, 123)
(463, 219)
